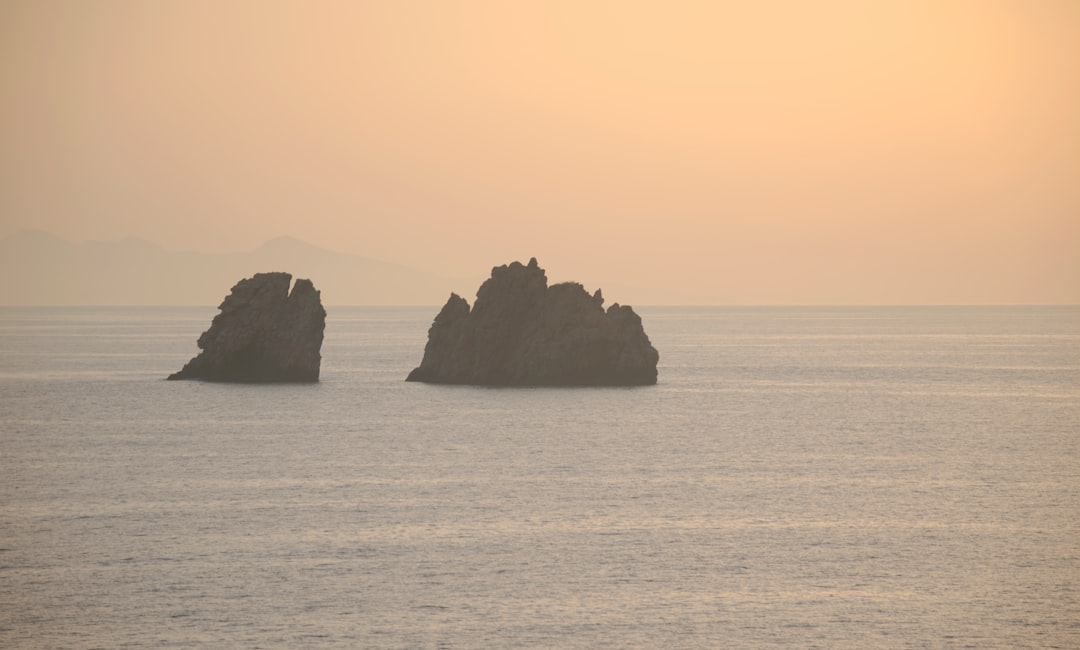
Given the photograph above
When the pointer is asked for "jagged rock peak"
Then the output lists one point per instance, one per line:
(264, 333)
(521, 332)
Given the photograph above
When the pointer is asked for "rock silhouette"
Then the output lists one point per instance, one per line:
(264, 333)
(521, 332)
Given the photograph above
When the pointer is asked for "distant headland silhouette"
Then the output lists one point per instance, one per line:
(45, 270)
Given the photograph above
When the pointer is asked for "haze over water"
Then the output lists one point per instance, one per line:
(809, 477)
(782, 152)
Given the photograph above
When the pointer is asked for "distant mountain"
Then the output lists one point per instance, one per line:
(37, 268)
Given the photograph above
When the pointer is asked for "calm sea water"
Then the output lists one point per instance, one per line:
(826, 477)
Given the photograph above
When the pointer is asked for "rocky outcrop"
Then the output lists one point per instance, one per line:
(264, 333)
(521, 332)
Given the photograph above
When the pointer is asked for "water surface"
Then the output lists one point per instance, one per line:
(809, 477)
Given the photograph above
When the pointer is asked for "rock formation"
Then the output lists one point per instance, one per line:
(264, 333)
(521, 332)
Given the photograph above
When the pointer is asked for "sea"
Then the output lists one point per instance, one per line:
(809, 477)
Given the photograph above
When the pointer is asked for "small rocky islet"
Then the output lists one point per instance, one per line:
(522, 332)
(265, 333)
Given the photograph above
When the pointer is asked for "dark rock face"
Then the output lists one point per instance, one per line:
(264, 333)
(521, 332)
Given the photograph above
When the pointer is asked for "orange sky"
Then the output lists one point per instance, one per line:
(745, 152)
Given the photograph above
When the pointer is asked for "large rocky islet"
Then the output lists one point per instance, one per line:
(522, 332)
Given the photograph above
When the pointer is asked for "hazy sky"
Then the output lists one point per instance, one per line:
(750, 152)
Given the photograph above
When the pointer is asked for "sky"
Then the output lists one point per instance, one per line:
(767, 152)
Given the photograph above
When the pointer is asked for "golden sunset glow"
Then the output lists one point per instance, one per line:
(742, 152)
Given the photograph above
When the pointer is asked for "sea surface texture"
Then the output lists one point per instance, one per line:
(807, 477)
